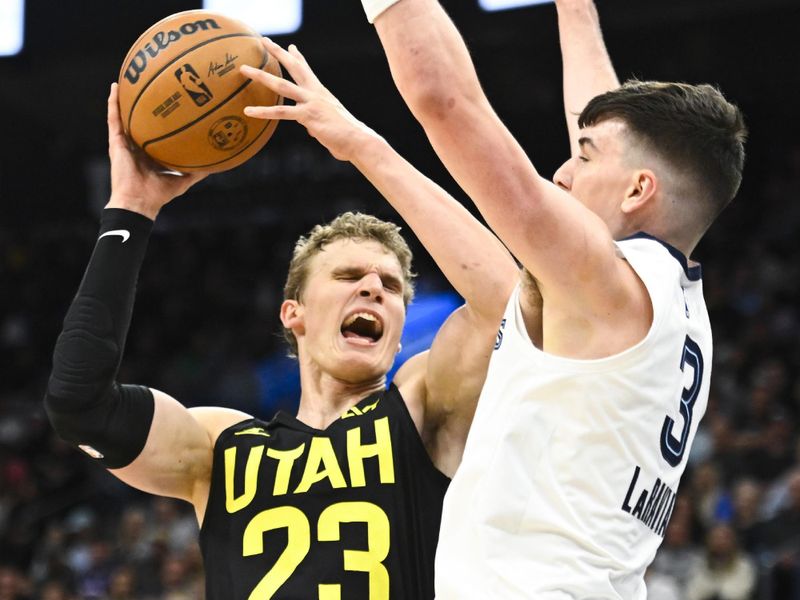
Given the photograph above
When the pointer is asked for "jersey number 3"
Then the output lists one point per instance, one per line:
(299, 543)
(673, 448)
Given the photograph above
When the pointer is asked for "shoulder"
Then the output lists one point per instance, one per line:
(411, 384)
(215, 419)
(643, 250)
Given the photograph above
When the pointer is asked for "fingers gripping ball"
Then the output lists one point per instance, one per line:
(181, 94)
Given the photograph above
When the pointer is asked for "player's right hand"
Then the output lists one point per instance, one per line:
(315, 107)
(138, 183)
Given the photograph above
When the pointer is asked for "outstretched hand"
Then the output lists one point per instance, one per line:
(138, 183)
(319, 111)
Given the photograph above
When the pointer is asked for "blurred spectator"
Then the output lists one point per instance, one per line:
(122, 585)
(49, 557)
(712, 503)
(724, 573)
(131, 544)
(661, 587)
(678, 554)
(55, 590)
(94, 582)
(172, 522)
(779, 543)
(747, 512)
(178, 582)
(13, 585)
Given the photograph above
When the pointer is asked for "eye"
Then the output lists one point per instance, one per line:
(393, 286)
(583, 158)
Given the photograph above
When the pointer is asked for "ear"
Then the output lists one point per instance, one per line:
(292, 316)
(641, 191)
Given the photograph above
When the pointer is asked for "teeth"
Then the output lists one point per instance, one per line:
(362, 315)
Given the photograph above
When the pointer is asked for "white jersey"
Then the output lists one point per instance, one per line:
(571, 467)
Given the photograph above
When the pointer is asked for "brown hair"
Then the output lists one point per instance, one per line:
(348, 226)
(693, 127)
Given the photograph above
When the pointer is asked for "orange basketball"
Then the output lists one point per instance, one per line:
(181, 94)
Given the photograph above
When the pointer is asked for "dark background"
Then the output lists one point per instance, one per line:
(206, 328)
(52, 96)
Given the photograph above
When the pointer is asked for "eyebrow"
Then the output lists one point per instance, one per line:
(386, 278)
(587, 141)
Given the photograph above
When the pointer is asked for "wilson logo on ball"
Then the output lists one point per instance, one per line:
(161, 40)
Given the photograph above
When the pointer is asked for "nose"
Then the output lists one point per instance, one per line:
(371, 287)
(563, 176)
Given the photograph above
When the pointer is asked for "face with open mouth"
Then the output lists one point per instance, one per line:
(350, 316)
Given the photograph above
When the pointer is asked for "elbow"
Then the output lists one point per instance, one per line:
(432, 96)
(84, 369)
(432, 107)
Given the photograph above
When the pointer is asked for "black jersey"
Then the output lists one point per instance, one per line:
(350, 512)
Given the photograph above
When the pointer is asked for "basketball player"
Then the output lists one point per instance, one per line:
(601, 370)
(343, 499)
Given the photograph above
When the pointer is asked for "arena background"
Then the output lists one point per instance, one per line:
(205, 327)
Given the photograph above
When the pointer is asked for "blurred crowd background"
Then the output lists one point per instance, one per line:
(205, 327)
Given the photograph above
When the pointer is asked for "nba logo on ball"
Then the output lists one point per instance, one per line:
(194, 86)
(181, 95)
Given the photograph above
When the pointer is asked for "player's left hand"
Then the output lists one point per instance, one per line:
(137, 182)
(319, 111)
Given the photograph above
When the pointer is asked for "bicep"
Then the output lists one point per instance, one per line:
(443, 383)
(553, 235)
(441, 386)
(177, 455)
(543, 227)
(456, 367)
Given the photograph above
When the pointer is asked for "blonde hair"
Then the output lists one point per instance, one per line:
(347, 226)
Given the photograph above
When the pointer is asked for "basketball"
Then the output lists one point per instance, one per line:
(181, 94)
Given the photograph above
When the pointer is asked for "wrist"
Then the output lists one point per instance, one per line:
(133, 204)
(116, 217)
(365, 146)
(576, 8)
(374, 8)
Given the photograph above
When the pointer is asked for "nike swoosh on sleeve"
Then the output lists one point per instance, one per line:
(123, 233)
(253, 431)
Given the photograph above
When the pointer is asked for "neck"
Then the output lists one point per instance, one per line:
(680, 238)
(324, 397)
(676, 224)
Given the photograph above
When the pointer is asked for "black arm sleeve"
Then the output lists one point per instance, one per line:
(83, 401)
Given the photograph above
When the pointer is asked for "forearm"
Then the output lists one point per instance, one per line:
(545, 228)
(83, 400)
(472, 259)
(428, 59)
(436, 77)
(587, 67)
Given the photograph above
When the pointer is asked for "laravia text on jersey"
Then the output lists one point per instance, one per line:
(652, 507)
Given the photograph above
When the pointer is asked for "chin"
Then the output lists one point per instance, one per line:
(357, 367)
(358, 376)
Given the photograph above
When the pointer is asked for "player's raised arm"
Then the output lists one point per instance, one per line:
(554, 235)
(471, 257)
(588, 70)
(442, 386)
(150, 441)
